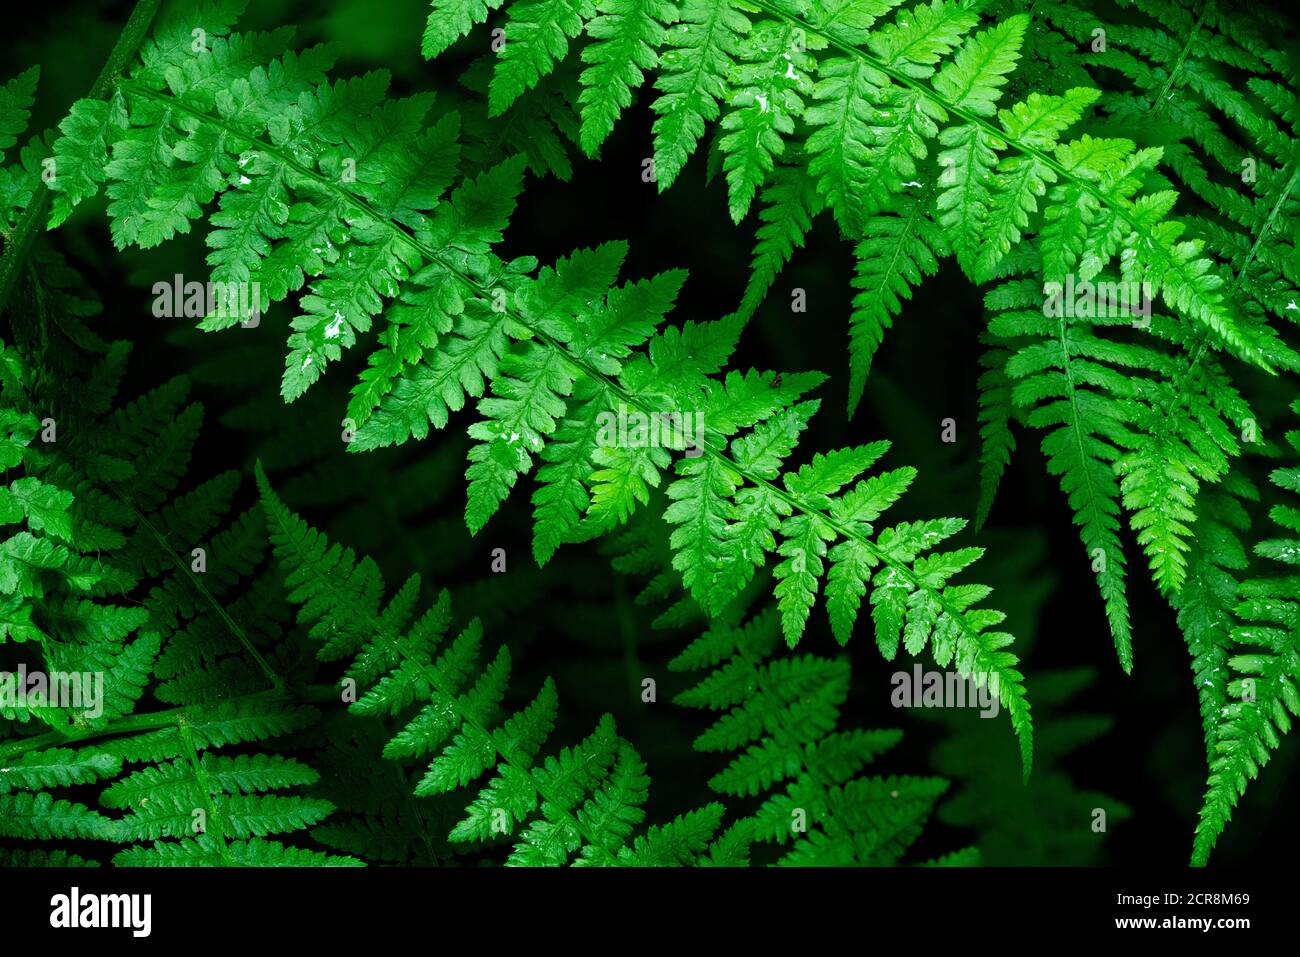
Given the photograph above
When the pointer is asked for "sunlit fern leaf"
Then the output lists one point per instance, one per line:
(536, 37)
(692, 82)
(626, 35)
(451, 20)
(789, 202)
(771, 74)
(899, 250)
(898, 101)
(1131, 422)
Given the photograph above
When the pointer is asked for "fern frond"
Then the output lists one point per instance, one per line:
(579, 805)
(1256, 706)
(1129, 423)
(626, 36)
(900, 249)
(870, 106)
(692, 84)
(781, 716)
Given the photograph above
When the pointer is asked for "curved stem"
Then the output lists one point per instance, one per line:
(1178, 63)
(151, 721)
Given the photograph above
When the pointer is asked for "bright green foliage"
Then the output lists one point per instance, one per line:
(1156, 151)
(899, 251)
(285, 216)
(626, 36)
(873, 103)
(787, 206)
(580, 805)
(781, 715)
(1165, 162)
(1126, 421)
(536, 37)
(451, 20)
(772, 75)
(700, 54)
(1259, 632)
(569, 368)
(1206, 602)
(1165, 82)
(203, 626)
(1155, 417)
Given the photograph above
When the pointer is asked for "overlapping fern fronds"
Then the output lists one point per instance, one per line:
(780, 716)
(580, 805)
(1245, 624)
(934, 129)
(900, 124)
(98, 601)
(1129, 426)
(315, 181)
(868, 109)
(1161, 158)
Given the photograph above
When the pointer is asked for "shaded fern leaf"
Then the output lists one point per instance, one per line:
(780, 717)
(580, 805)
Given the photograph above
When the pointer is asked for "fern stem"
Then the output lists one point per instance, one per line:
(1182, 58)
(151, 721)
(277, 683)
(32, 222)
(213, 817)
(53, 739)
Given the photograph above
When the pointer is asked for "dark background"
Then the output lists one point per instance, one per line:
(576, 619)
